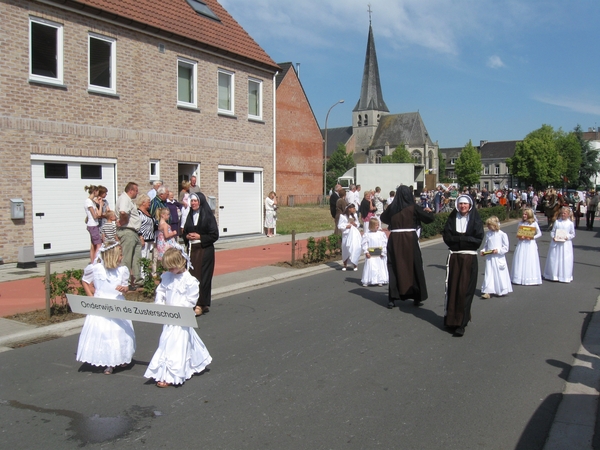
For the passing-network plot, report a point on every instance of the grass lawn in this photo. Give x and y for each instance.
(303, 219)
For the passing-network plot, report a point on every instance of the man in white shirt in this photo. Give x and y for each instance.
(128, 223)
(155, 185)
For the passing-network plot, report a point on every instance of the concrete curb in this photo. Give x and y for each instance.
(57, 330)
(575, 421)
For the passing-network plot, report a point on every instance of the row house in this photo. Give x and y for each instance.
(101, 92)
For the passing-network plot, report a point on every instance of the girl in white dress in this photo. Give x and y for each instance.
(495, 246)
(105, 341)
(181, 353)
(351, 239)
(559, 263)
(526, 260)
(375, 270)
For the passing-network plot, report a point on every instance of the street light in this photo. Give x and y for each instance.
(325, 152)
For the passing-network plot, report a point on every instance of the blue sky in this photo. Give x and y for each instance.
(475, 69)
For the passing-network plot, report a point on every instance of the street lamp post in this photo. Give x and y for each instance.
(325, 151)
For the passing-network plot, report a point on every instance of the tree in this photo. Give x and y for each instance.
(589, 161)
(569, 149)
(338, 164)
(399, 155)
(468, 166)
(537, 161)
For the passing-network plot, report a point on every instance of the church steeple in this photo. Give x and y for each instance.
(370, 107)
(371, 97)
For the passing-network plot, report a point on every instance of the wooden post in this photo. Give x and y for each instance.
(48, 312)
(293, 247)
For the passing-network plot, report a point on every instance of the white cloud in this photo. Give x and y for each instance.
(577, 105)
(494, 62)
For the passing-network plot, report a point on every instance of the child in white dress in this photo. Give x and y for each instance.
(526, 260)
(374, 245)
(351, 239)
(559, 263)
(105, 341)
(181, 353)
(495, 246)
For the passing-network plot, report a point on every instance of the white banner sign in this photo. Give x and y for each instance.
(141, 312)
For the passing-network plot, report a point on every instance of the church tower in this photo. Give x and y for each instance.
(370, 107)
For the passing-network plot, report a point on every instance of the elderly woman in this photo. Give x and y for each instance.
(405, 264)
(270, 216)
(146, 226)
(463, 234)
(200, 232)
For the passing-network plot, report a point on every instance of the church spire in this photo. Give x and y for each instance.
(371, 98)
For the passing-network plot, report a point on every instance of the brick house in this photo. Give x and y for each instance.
(299, 142)
(107, 92)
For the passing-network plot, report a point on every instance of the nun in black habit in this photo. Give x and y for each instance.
(463, 234)
(200, 232)
(404, 261)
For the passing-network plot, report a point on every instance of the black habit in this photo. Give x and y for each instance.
(202, 255)
(462, 268)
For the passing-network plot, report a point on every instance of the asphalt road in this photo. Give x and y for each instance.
(321, 363)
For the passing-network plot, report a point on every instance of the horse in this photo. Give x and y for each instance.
(551, 206)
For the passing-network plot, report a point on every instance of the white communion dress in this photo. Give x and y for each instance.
(497, 277)
(375, 270)
(105, 341)
(181, 353)
(351, 240)
(526, 260)
(559, 263)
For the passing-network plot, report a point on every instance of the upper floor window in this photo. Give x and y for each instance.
(497, 169)
(416, 156)
(102, 60)
(45, 51)
(154, 169)
(486, 169)
(507, 169)
(255, 99)
(187, 72)
(226, 92)
(453, 161)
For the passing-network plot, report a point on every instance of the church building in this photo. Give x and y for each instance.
(375, 132)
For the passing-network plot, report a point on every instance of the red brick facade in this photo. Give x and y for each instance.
(299, 145)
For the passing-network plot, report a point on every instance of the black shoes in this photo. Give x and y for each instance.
(460, 331)
(391, 305)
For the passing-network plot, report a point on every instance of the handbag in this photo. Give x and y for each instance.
(582, 210)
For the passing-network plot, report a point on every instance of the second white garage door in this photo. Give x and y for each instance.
(240, 201)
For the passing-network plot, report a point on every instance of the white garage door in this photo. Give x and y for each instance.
(240, 201)
(58, 196)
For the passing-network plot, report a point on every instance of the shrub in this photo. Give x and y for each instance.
(68, 282)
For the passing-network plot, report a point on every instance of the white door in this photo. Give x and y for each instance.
(58, 195)
(240, 201)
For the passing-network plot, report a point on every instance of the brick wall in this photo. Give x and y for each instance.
(299, 144)
(139, 124)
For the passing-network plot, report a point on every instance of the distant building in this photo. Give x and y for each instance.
(495, 173)
(376, 133)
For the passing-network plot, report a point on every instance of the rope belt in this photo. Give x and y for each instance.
(403, 230)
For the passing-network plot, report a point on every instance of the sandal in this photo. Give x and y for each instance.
(108, 370)
(198, 310)
(162, 384)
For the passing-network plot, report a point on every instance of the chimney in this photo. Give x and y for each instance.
(298, 70)
(482, 143)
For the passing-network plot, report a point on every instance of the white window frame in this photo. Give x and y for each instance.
(112, 89)
(260, 99)
(231, 92)
(486, 169)
(194, 66)
(58, 80)
(156, 164)
(453, 161)
(496, 169)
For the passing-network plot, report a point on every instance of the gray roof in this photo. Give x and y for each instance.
(336, 136)
(282, 73)
(497, 150)
(405, 128)
(371, 97)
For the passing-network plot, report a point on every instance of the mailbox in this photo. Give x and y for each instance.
(17, 208)
(212, 202)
